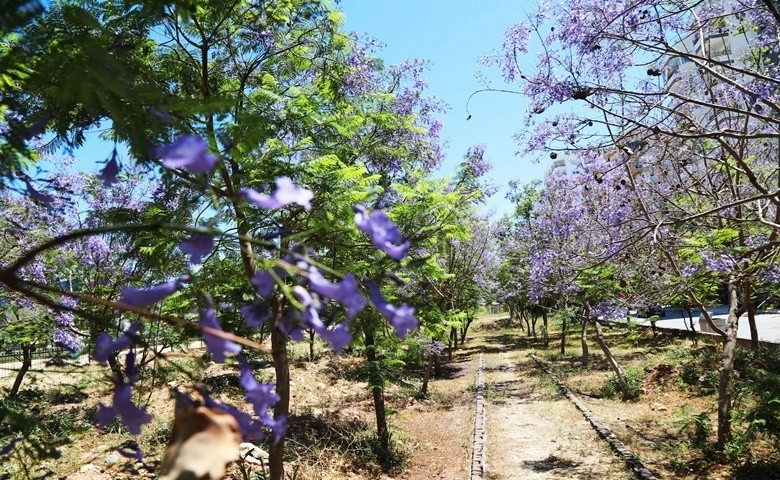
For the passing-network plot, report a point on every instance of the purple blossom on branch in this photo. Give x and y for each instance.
(105, 346)
(197, 246)
(344, 291)
(401, 318)
(64, 331)
(109, 173)
(384, 234)
(216, 345)
(137, 297)
(188, 152)
(286, 193)
(131, 416)
(256, 314)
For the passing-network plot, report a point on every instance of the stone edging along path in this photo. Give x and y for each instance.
(478, 453)
(619, 447)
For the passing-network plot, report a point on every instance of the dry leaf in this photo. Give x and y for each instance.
(205, 440)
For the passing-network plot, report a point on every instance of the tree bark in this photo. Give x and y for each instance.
(726, 373)
(546, 325)
(282, 370)
(27, 350)
(427, 375)
(584, 342)
(750, 307)
(377, 386)
(613, 363)
(563, 335)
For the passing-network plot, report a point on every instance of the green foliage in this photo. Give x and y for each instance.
(28, 417)
(634, 378)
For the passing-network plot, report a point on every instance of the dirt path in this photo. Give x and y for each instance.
(532, 431)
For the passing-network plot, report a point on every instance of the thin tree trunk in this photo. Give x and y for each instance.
(311, 345)
(694, 338)
(546, 325)
(427, 375)
(465, 328)
(26, 364)
(727, 370)
(612, 362)
(563, 335)
(584, 342)
(377, 386)
(282, 370)
(750, 306)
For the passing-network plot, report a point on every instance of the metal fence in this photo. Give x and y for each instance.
(42, 357)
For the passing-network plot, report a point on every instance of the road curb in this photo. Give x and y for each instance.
(619, 447)
(478, 452)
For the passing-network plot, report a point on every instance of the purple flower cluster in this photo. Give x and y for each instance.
(122, 406)
(384, 233)
(64, 333)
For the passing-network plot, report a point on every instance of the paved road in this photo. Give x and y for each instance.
(768, 323)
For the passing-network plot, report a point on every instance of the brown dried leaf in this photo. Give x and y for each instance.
(205, 440)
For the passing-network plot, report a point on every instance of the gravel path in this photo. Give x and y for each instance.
(532, 431)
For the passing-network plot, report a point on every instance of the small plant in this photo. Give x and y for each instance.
(634, 378)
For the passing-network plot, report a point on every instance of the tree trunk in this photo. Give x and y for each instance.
(377, 386)
(311, 345)
(546, 326)
(624, 390)
(465, 328)
(454, 340)
(584, 342)
(27, 350)
(750, 307)
(563, 335)
(427, 375)
(727, 369)
(282, 370)
(694, 338)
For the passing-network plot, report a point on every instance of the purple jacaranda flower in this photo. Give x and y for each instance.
(105, 346)
(197, 246)
(384, 234)
(256, 314)
(217, 346)
(286, 193)
(43, 198)
(131, 416)
(137, 297)
(402, 317)
(344, 291)
(338, 337)
(189, 152)
(264, 283)
(260, 395)
(109, 173)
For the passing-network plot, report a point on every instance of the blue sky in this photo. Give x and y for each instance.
(454, 35)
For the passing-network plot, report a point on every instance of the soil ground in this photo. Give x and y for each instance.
(532, 431)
